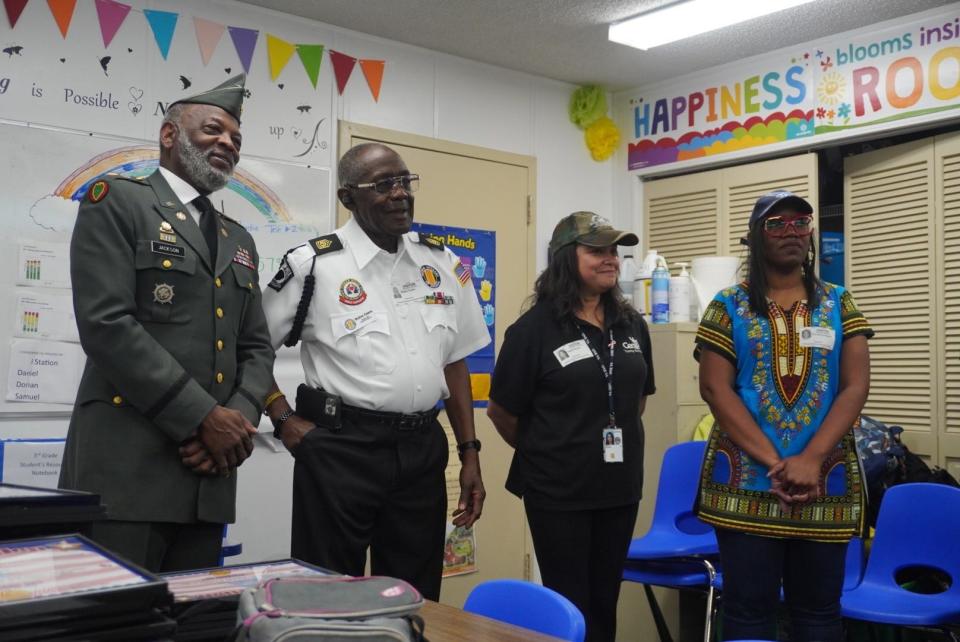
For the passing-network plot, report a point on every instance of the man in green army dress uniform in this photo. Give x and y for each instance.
(179, 360)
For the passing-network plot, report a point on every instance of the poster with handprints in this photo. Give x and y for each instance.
(477, 250)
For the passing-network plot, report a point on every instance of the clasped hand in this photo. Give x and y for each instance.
(795, 480)
(224, 440)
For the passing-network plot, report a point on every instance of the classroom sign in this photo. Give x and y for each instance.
(853, 80)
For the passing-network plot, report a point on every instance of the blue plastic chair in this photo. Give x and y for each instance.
(528, 605)
(854, 565)
(679, 550)
(918, 525)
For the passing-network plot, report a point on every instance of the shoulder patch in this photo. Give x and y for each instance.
(98, 191)
(325, 244)
(283, 275)
(430, 241)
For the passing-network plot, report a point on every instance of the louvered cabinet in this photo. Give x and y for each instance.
(902, 228)
(706, 214)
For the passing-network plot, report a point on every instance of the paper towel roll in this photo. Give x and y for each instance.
(710, 274)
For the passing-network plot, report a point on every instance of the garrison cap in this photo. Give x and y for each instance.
(587, 228)
(228, 96)
(776, 200)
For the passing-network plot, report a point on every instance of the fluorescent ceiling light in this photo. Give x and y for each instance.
(690, 18)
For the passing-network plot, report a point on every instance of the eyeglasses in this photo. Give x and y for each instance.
(778, 225)
(408, 182)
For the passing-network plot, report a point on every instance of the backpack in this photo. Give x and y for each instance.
(368, 609)
(886, 462)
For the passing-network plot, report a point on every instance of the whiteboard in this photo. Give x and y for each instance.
(44, 173)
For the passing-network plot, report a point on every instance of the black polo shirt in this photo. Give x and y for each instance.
(563, 410)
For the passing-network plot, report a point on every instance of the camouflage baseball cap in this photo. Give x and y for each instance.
(587, 228)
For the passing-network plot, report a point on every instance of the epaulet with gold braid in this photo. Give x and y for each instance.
(325, 244)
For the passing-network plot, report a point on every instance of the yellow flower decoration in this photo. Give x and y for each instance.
(602, 138)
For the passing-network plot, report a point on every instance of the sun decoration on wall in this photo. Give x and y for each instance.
(831, 89)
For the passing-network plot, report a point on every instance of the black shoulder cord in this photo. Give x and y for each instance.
(301, 316)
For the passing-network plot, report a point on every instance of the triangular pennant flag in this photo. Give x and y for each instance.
(14, 9)
(342, 68)
(208, 37)
(278, 53)
(111, 15)
(244, 41)
(311, 56)
(373, 72)
(163, 24)
(62, 11)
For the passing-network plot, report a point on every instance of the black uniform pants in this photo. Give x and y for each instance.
(374, 486)
(581, 554)
(162, 547)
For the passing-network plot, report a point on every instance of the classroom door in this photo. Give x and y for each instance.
(473, 187)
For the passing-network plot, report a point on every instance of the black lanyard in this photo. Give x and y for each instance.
(606, 370)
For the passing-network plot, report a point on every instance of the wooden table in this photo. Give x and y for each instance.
(450, 624)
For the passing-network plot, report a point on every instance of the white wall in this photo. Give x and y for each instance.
(426, 93)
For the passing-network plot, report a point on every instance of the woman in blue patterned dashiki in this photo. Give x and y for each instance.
(785, 368)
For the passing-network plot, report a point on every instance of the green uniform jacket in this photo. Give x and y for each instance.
(152, 314)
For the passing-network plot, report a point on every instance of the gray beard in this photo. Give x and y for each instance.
(199, 172)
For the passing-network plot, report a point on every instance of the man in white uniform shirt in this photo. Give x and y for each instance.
(387, 318)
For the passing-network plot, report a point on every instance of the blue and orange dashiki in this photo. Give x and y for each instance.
(788, 389)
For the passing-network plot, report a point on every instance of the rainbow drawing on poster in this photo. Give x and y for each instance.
(732, 136)
(142, 160)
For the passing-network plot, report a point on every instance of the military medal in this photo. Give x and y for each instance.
(163, 293)
(438, 298)
(352, 293)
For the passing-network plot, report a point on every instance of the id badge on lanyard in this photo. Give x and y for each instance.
(611, 436)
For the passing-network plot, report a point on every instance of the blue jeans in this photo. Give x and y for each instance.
(754, 568)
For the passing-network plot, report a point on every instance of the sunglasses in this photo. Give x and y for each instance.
(778, 225)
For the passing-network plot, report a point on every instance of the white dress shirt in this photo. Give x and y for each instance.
(370, 335)
(184, 191)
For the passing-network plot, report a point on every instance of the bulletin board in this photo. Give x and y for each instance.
(281, 204)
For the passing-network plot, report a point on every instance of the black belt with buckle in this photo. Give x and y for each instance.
(327, 410)
(398, 420)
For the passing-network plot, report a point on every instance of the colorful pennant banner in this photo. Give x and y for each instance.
(208, 37)
(311, 56)
(112, 14)
(279, 52)
(373, 72)
(244, 41)
(62, 11)
(163, 24)
(342, 68)
(14, 9)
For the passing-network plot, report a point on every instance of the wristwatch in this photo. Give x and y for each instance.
(286, 414)
(467, 445)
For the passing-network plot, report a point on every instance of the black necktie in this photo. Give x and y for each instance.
(208, 224)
